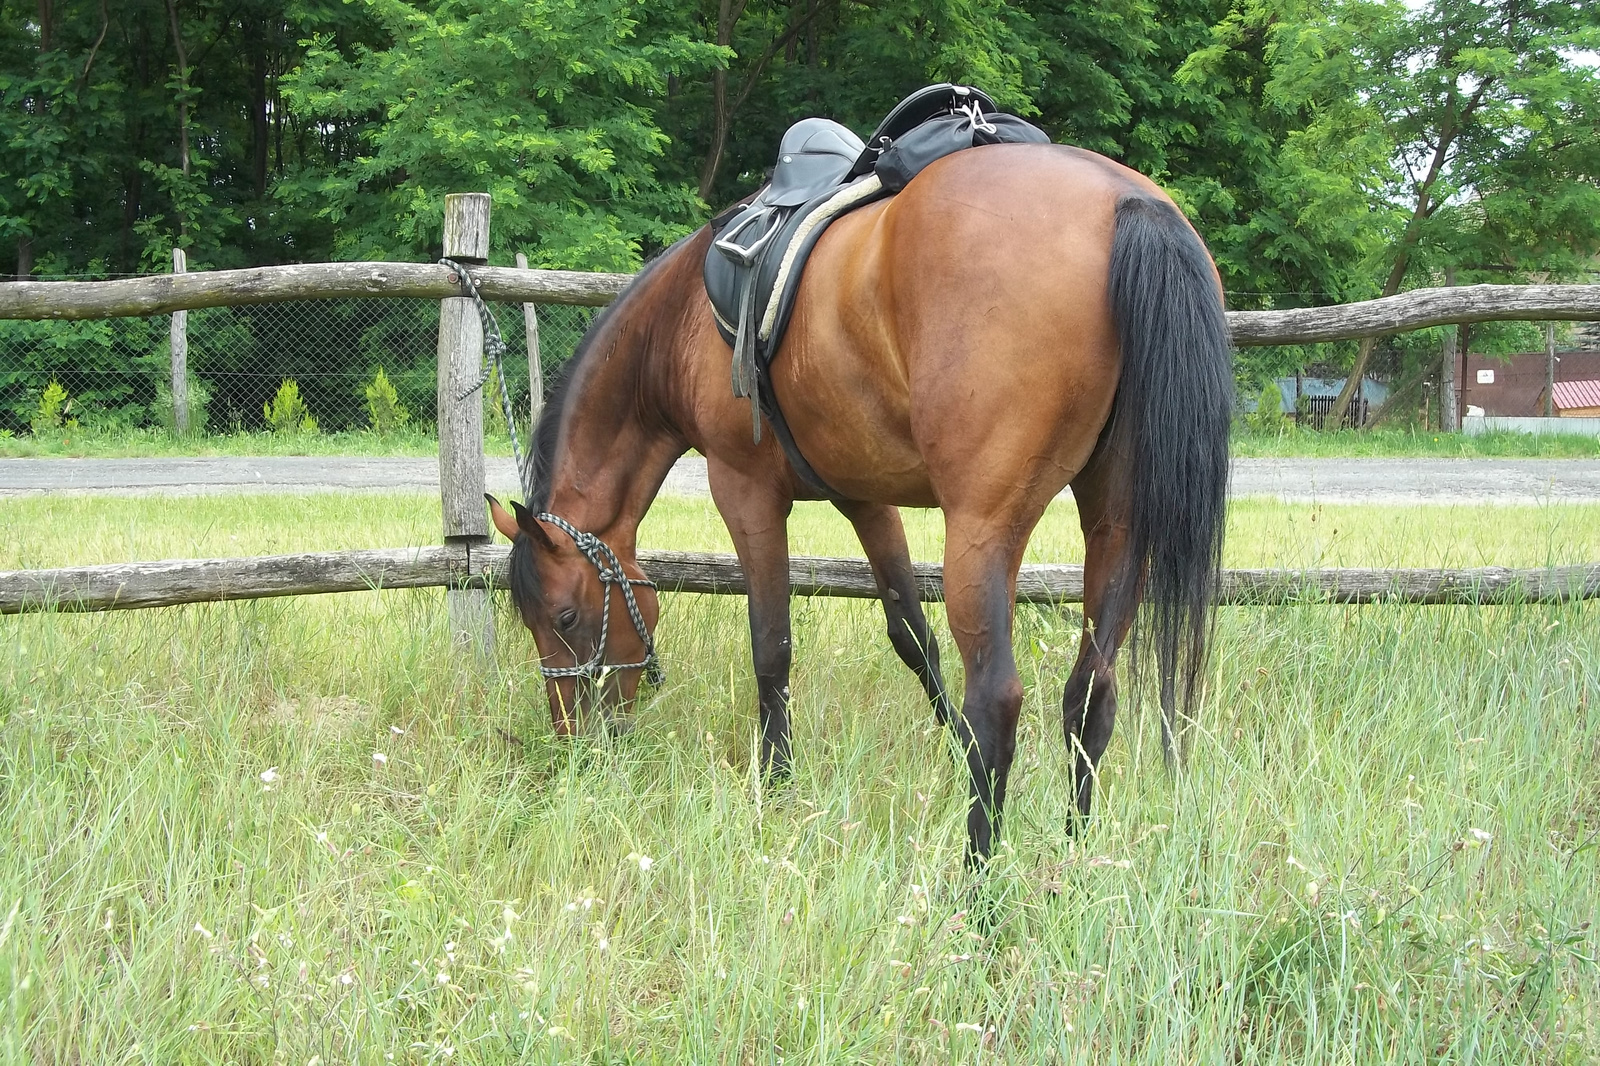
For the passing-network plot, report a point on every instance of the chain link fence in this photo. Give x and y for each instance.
(115, 374)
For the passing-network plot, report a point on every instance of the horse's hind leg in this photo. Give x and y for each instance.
(884, 540)
(1110, 600)
(981, 557)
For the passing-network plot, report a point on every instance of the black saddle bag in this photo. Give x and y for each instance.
(905, 158)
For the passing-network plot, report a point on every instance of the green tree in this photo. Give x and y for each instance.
(132, 126)
(548, 104)
(790, 59)
(1494, 128)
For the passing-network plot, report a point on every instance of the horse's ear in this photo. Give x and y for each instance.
(530, 525)
(502, 521)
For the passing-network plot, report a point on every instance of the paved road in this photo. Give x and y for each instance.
(1326, 480)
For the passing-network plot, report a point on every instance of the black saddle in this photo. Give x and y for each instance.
(759, 248)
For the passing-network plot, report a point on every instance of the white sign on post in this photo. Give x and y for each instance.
(1486, 377)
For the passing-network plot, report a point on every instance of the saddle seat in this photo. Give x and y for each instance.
(760, 246)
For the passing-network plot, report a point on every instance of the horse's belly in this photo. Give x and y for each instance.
(854, 432)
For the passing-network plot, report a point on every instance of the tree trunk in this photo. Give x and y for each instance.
(1408, 240)
(723, 110)
(130, 215)
(259, 133)
(726, 17)
(183, 109)
(46, 35)
(183, 88)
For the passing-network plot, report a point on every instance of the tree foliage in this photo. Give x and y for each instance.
(1326, 151)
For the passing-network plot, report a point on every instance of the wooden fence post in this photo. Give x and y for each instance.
(180, 355)
(461, 477)
(530, 322)
(1447, 380)
(1549, 369)
(1449, 390)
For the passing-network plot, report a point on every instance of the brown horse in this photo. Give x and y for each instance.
(1019, 319)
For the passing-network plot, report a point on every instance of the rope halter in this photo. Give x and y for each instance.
(605, 561)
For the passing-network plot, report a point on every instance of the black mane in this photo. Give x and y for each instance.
(547, 434)
(524, 575)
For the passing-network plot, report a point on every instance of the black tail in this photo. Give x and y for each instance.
(1173, 411)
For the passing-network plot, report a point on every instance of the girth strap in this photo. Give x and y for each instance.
(780, 429)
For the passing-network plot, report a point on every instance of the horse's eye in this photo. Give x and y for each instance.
(568, 618)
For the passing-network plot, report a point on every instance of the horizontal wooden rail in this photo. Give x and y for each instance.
(165, 293)
(1417, 309)
(179, 581)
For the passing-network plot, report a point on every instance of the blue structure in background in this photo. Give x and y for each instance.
(1373, 392)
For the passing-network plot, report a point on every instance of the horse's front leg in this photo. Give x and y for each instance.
(757, 517)
(883, 537)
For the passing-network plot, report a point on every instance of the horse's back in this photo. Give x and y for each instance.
(956, 341)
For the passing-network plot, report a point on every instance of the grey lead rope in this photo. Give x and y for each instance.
(494, 349)
(597, 551)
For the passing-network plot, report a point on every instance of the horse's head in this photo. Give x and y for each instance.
(591, 613)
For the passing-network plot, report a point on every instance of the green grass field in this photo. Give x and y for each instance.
(1378, 443)
(303, 829)
(1408, 442)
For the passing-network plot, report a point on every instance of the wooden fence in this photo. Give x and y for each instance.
(467, 565)
(126, 586)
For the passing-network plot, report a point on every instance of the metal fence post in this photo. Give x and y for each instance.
(180, 355)
(530, 321)
(461, 475)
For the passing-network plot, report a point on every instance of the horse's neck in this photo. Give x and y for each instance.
(616, 446)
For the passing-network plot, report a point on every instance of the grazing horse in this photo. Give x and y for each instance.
(1020, 318)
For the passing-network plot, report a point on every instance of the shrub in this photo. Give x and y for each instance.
(1268, 415)
(385, 412)
(53, 412)
(286, 413)
(199, 403)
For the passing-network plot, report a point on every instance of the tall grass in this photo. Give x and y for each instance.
(1384, 849)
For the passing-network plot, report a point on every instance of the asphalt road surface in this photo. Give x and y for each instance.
(1325, 480)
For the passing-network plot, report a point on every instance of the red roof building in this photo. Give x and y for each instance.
(1577, 399)
(1514, 385)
